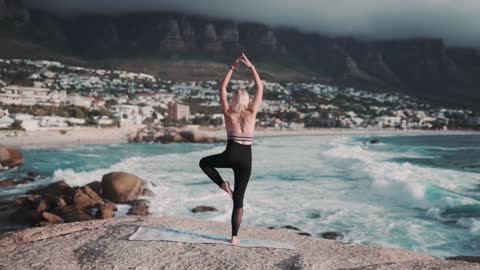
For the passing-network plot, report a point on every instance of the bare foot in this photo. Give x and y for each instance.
(234, 240)
(226, 188)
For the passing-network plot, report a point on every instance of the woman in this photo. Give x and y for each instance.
(240, 117)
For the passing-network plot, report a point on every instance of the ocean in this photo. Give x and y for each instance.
(418, 192)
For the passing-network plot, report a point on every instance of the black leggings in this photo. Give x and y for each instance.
(238, 157)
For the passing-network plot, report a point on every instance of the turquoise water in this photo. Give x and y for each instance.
(420, 193)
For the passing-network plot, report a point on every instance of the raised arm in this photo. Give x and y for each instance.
(223, 86)
(257, 98)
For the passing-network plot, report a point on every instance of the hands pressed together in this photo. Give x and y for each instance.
(242, 59)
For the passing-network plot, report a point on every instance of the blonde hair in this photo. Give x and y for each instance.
(240, 100)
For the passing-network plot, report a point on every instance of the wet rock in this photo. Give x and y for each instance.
(304, 233)
(106, 211)
(203, 208)
(471, 259)
(24, 215)
(60, 202)
(71, 213)
(374, 141)
(85, 197)
(50, 219)
(290, 227)
(96, 186)
(43, 205)
(9, 156)
(148, 192)
(121, 187)
(332, 235)
(9, 182)
(32, 174)
(25, 180)
(139, 207)
(53, 190)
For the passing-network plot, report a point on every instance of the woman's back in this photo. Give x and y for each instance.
(240, 125)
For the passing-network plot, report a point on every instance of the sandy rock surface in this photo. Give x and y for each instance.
(104, 244)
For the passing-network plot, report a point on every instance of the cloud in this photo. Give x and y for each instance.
(455, 21)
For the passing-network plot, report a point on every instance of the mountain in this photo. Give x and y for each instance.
(183, 47)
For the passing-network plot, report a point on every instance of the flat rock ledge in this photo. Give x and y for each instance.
(104, 244)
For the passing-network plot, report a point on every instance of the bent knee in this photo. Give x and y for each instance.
(202, 163)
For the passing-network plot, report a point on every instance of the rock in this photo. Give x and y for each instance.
(85, 197)
(25, 180)
(7, 182)
(304, 233)
(9, 156)
(290, 227)
(96, 186)
(60, 202)
(374, 141)
(100, 244)
(24, 215)
(42, 206)
(148, 192)
(332, 235)
(471, 259)
(106, 211)
(32, 174)
(121, 187)
(139, 207)
(203, 208)
(71, 213)
(53, 190)
(51, 218)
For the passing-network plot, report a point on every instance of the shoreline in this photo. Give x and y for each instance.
(47, 139)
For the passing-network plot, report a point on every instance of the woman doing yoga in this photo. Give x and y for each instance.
(240, 117)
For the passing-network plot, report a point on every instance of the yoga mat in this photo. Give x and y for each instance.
(146, 233)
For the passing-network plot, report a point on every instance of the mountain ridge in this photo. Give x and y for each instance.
(424, 67)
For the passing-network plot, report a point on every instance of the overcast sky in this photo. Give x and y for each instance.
(456, 21)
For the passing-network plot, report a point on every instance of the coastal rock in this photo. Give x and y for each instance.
(7, 182)
(24, 215)
(106, 211)
(472, 259)
(304, 233)
(96, 186)
(85, 197)
(53, 190)
(375, 141)
(121, 187)
(148, 192)
(332, 235)
(290, 227)
(139, 207)
(203, 208)
(72, 213)
(50, 219)
(9, 156)
(101, 244)
(43, 205)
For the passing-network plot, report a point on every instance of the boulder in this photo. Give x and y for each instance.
(121, 187)
(139, 207)
(106, 211)
(50, 218)
(290, 227)
(53, 190)
(332, 235)
(148, 192)
(9, 156)
(9, 182)
(43, 205)
(374, 141)
(71, 213)
(96, 186)
(85, 197)
(24, 215)
(304, 233)
(203, 208)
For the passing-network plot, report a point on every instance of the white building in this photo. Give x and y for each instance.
(78, 100)
(6, 121)
(22, 95)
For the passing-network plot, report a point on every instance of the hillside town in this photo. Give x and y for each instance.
(37, 95)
